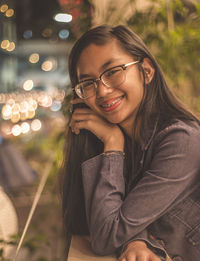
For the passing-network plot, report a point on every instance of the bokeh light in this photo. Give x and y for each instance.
(36, 125)
(11, 47)
(25, 127)
(34, 58)
(64, 18)
(31, 112)
(6, 129)
(6, 112)
(56, 106)
(15, 117)
(63, 34)
(49, 65)
(27, 34)
(5, 44)
(16, 130)
(47, 32)
(4, 8)
(28, 85)
(9, 13)
(45, 100)
(11, 102)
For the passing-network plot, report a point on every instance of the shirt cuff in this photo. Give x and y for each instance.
(151, 243)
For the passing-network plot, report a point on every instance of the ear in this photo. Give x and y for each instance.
(148, 70)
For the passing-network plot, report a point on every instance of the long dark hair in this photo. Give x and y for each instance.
(158, 103)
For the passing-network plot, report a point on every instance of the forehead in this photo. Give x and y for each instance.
(98, 57)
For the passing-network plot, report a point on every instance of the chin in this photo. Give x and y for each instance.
(114, 121)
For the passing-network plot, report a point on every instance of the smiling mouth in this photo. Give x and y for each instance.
(109, 106)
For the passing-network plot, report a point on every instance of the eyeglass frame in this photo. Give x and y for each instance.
(123, 66)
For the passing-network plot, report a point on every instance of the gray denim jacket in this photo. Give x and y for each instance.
(163, 208)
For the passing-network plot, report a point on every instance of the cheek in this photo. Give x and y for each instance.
(134, 90)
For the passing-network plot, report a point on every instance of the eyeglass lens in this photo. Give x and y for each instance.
(111, 78)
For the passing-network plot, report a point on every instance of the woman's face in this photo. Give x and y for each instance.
(117, 105)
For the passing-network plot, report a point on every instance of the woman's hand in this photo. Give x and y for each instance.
(138, 251)
(110, 134)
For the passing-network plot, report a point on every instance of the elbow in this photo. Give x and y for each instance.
(104, 238)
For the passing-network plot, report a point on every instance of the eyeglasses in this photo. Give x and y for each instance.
(111, 78)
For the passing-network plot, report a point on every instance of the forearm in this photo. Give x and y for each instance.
(113, 219)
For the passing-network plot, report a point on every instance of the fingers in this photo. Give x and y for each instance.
(138, 254)
(80, 120)
(131, 257)
(110, 134)
(82, 111)
(154, 258)
(78, 125)
(121, 258)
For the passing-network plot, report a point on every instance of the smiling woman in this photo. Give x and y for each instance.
(131, 142)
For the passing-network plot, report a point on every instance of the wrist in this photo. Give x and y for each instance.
(113, 152)
(114, 148)
(114, 144)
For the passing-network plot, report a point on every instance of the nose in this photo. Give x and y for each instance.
(102, 89)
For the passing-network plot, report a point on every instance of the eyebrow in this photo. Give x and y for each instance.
(102, 68)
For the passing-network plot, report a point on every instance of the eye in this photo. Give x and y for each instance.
(113, 72)
(87, 84)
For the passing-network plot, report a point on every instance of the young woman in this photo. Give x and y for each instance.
(132, 164)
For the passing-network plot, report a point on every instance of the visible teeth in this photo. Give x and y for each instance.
(112, 103)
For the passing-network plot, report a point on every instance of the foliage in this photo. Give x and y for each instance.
(35, 246)
(172, 33)
(170, 28)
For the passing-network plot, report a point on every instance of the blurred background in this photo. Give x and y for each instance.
(35, 40)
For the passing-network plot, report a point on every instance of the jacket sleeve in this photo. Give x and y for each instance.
(113, 219)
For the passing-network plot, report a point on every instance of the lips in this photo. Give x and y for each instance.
(111, 104)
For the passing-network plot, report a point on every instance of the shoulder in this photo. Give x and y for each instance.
(175, 148)
(190, 129)
(178, 137)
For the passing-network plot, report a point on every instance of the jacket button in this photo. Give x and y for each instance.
(177, 258)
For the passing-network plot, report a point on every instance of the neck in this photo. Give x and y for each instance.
(128, 128)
